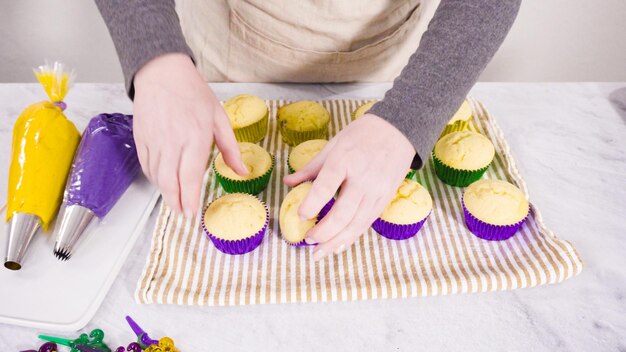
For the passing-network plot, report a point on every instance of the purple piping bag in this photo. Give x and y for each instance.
(104, 166)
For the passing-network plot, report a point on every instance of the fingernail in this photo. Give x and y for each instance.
(309, 240)
(318, 254)
(340, 249)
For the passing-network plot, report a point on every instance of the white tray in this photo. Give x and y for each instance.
(53, 295)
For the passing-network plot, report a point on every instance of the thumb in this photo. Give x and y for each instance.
(227, 144)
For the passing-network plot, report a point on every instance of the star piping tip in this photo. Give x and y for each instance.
(62, 254)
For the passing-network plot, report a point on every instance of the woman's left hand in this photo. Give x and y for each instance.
(368, 159)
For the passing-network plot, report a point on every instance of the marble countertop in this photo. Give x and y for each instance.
(570, 142)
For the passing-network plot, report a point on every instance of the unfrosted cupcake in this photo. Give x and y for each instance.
(260, 164)
(248, 117)
(292, 229)
(303, 153)
(405, 215)
(236, 223)
(494, 209)
(303, 121)
(461, 119)
(362, 109)
(461, 158)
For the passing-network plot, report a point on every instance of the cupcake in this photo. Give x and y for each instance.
(236, 223)
(248, 117)
(461, 119)
(461, 158)
(494, 209)
(303, 121)
(258, 161)
(362, 109)
(303, 153)
(292, 229)
(406, 213)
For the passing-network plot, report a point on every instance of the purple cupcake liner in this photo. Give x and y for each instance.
(397, 232)
(325, 209)
(487, 231)
(238, 246)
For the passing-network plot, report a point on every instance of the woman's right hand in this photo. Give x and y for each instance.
(176, 118)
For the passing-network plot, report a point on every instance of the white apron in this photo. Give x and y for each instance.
(303, 40)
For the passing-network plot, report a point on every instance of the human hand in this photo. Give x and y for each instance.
(368, 159)
(176, 118)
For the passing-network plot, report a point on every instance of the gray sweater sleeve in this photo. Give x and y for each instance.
(460, 40)
(142, 30)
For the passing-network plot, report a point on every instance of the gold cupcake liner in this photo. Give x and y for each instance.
(293, 138)
(253, 133)
(456, 126)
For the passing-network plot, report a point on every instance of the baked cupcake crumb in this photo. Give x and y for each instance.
(496, 202)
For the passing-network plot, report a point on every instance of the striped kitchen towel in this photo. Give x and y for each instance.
(183, 267)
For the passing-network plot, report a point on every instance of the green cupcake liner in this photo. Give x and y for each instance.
(253, 133)
(460, 125)
(410, 174)
(293, 138)
(457, 177)
(253, 186)
(289, 168)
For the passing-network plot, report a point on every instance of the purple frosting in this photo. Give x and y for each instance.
(105, 164)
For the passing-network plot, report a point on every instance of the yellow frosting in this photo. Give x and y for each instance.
(303, 116)
(235, 216)
(257, 160)
(361, 110)
(411, 204)
(496, 202)
(463, 114)
(304, 152)
(44, 142)
(465, 150)
(244, 110)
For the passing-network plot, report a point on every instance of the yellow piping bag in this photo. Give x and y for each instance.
(44, 142)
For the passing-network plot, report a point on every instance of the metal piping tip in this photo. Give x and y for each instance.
(21, 230)
(61, 254)
(75, 220)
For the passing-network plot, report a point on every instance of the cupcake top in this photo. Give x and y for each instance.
(304, 152)
(244, 110)
(361, 110)
(411, 204)
(303, 116)
(496, 202)
(465, 150)
(463, 114)
(257, 160)
(292, 228)
(235, 216)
